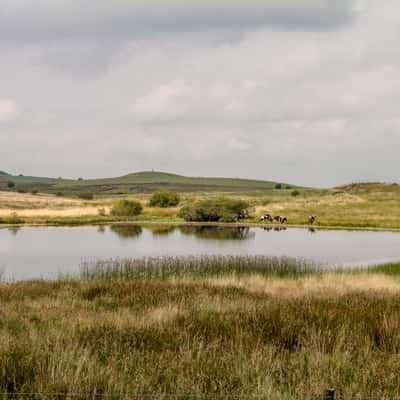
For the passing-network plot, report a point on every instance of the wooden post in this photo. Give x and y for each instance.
(329, 394)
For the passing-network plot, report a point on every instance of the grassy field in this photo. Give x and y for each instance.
(354, 206)
(140, 182)
(216, 327)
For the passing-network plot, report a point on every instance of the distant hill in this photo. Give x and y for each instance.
(146, 181)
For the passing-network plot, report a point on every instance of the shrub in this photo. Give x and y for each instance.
(295, 193)
(10, 184)
(86, 196)
(164, 198)
(278, 186)
(216, 210)
(34, 191)
(59, 194)
(127, 208)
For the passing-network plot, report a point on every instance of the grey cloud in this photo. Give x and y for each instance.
(310, 106)
(53, 20)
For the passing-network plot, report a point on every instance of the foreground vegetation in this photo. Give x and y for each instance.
(219, 327)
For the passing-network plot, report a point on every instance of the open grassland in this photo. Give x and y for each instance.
(139, 182)
(234, 330)
(354, 206)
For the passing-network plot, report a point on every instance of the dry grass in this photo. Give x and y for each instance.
(364, 206)
(235, 336)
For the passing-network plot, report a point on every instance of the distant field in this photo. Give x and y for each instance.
(141, 182)
(370, 205)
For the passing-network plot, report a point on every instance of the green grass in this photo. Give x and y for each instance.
(198, 332)
(140, 182)
(392, 269)
(197, 267)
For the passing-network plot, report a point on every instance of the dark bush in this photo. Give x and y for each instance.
(21, 191)
(35, 191)
(164, 198)
(59, 194)
(216, 210)
(295, 193)
(10, 184)
(86, 196)
(278, 186)
(127, 208)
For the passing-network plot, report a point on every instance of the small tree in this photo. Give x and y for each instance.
(127, 208)
(10, 184)
(278, 186)
(164, 198)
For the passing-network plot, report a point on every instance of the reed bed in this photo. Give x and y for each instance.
(198, 267)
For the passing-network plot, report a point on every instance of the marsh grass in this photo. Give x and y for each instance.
(197, 267)
(237, 335)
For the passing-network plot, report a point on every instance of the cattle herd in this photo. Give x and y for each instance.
(282, 219)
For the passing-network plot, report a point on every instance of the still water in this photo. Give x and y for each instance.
(27, 253)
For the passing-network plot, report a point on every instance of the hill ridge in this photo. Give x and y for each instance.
(141, 182)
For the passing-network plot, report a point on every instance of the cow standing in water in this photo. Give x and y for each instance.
(312, 219)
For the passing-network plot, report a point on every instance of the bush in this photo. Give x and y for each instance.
(59, 194)
(278, 186)
(10, 184)
(102, 212)
(295, 193)
(86, 196)
(127, 208)
(35, 191)
(164, 198)
(216, 210)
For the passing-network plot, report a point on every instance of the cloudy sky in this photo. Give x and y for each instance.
(303, 91)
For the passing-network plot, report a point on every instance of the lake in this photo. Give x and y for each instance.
(47, 252)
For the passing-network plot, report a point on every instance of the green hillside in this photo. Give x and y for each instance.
(143, 182)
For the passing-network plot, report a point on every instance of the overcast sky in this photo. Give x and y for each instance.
(304, 91)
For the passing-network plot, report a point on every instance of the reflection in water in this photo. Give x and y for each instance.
(14, 230)
(275, 228)
(312, 230)
(160, 230)
(127, 231)
(218, 232)
(101, 229)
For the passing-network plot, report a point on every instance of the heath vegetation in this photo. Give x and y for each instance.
(208, 327)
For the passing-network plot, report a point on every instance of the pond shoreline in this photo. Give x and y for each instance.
(216, 224)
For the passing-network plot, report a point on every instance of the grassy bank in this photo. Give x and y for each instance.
(368, 206)
(217, 327)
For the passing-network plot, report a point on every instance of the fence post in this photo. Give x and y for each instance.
(329, 394)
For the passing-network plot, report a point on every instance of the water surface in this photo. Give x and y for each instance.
(46, 252)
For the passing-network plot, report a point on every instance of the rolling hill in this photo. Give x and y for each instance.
(146, 181)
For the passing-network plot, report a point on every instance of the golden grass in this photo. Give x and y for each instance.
(325, 285)
(234, 336)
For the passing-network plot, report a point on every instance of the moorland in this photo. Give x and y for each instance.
(214, 327)
(33, 200)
